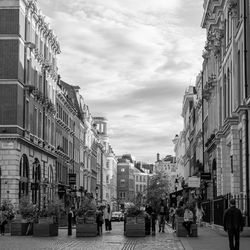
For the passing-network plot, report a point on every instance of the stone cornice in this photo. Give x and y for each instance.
(225, 129)
(210, 16)
(32, 7)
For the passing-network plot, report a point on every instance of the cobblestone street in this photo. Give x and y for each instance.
(114, 240)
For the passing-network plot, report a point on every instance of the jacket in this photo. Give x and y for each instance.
(188, 215)
(233, 219)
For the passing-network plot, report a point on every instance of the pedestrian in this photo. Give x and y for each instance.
(233, 225)
(162, 213)
(172, 216)
(199, 213)
(188, 220)
(70, 221)
(99, 220)
(107, 217)
(3, 220)
(179, 210)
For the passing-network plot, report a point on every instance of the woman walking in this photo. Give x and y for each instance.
(107, 217)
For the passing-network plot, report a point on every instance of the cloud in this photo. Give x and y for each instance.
(133, 60)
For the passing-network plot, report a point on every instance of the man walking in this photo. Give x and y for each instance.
(233, 225)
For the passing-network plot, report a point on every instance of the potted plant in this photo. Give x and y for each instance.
(23, 223)
(47, 221)
(86, 218)
(134, 223)
(9, 213)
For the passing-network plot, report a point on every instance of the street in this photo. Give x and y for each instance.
(114, 240)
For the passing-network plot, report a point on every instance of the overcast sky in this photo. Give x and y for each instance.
(133, 60)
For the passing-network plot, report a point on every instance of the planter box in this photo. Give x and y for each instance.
(86, 230)
(134, 226)
(45, 229)
(21, 228)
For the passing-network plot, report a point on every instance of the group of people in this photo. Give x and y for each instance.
(103, 216)
(165, 214)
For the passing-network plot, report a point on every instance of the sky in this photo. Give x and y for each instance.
(133, 60)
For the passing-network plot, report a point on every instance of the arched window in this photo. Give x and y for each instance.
(24, 176)
(36, 176)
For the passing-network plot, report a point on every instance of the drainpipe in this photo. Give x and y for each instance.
(202, 117)
(246, 112)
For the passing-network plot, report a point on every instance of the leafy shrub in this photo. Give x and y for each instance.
(134, 210)
(27, 209)
(8, 209)
(88, 208)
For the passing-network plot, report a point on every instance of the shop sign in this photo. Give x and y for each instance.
(72, 179)
(61, 189)
(206, 176)
(8, 145)
(194, 181)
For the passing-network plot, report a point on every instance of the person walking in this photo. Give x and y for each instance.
(233, 225)
(99, 220)
(163, 211)
(172, 216)
(199, 213)
(107, 218)
(188, 220)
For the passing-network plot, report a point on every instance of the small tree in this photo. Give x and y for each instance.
(27, 209)
(159, 184)
(9, 209)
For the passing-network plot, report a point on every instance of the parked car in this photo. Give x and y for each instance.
(117, 216)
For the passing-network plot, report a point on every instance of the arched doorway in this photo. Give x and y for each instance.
(36, 179)
(214, 174)
(24, 176)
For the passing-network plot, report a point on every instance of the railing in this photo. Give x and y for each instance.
(214, 209)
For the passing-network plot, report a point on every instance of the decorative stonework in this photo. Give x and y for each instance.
(209, 86)
(232, 8)
(43, 26)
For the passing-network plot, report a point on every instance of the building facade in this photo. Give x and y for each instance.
(217, 126)
(28, 79)
(125, 180)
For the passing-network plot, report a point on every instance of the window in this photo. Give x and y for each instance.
(35, 121)
(122, 182)
(24, 176)
(27, 115)
(40, 124)
(28, 72)
(107, 179)
(35, 78)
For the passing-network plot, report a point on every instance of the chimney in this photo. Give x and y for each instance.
(158, 157)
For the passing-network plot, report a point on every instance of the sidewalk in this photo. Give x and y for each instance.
(209, 239)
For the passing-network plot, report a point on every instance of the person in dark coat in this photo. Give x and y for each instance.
(233, 225)
(162, 213)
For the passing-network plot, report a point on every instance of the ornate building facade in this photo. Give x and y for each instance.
(28, 79)
(222, 107)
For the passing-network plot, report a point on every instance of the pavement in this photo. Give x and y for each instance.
(208, 239)
(213, 239)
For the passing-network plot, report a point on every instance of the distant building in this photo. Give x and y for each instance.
(125, 179)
